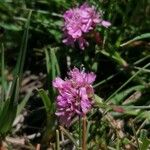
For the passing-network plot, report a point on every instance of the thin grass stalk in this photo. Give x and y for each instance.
(57, 140)
(130, 79)
(141, 60)
(69, 136)
(106, 80)
(114, 75)
(23, 48)
(118, 144)
(62, 139)
(2, 73)
(135, 135)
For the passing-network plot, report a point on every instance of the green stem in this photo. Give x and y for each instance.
(84, 131)
(80, 132)
(3, 74)
(57, 140)
(135, 135)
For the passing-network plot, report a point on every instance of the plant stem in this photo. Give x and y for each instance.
(1, 144)
(84, 146)
(57, 140)
(80, 132)
(38, 147)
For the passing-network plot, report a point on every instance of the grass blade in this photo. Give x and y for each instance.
(69, 136)
(23, 102)
(53, 69)
(143, 36)
(57, 140)
(2, 73)
(129, 80)
(46, 100)
(9, 111)
(23, 49)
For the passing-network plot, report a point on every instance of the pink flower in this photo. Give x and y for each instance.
(75, 95)
(79, 21)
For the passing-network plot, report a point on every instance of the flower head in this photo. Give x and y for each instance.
(75, 95)
(79, 21)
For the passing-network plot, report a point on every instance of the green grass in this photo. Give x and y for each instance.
(31, 41)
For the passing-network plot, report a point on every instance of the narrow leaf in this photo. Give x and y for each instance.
(69, 136)
(23, 102)
(2, 73)
(46, 100)
(23, 49)
(143, 36)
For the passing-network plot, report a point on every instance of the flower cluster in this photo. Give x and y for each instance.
(79, 21)
(75, 95)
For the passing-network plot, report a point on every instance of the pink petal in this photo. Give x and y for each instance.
(106, 23)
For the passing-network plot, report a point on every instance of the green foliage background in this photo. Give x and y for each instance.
(121, 62)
